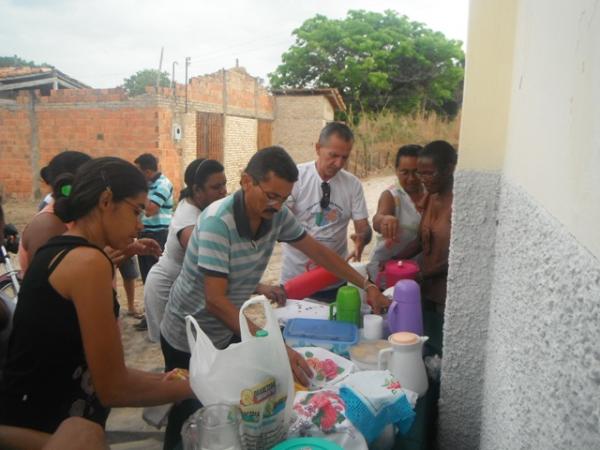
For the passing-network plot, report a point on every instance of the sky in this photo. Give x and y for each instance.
(104, 41)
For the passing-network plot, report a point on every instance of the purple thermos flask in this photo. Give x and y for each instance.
(405, 312)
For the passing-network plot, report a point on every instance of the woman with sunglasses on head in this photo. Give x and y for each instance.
(205, 182)
(65, 356)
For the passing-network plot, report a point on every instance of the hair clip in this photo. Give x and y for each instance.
(66, 190)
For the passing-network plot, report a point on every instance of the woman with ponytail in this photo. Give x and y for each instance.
(65, 356)
(45, 224)
(205, 182)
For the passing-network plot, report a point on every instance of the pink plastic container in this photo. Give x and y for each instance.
(395, 271)
(309, 282)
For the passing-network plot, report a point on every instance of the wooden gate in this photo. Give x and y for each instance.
(209, 135)
(264, 134)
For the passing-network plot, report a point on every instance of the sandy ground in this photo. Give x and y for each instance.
(126, 424)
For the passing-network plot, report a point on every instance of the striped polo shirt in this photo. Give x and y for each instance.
(160, 191)
(222, 245)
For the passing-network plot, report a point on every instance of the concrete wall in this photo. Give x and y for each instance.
(521, 361)
(240, 145)
(299, 119)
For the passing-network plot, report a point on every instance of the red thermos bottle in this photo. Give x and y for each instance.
(309, 282)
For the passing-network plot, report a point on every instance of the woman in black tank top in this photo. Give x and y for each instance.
(65, 356)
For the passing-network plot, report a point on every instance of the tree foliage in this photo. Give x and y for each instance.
(136, 83)
(377, 61)
(16, 61)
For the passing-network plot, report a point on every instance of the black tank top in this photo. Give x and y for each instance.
(46, 378)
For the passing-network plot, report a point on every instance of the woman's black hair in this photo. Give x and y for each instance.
(197, 174)
(44, 175)
(407, 150)
(65, 162)
(79, 194)
(441, 153)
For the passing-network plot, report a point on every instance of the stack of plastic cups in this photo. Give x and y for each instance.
(365, 308)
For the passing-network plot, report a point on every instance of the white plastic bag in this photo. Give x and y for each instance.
(254, 374)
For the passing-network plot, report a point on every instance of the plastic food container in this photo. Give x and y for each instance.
(332, 335)
(307, 443)
(365, 354)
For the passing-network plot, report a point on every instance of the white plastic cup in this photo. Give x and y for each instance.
(372, 327)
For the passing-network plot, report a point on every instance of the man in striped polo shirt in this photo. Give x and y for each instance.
(159, 209)
(225, 259)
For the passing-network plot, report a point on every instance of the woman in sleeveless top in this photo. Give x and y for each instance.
(398, 211)
(45, 224)
(205, 182)
(65, 356)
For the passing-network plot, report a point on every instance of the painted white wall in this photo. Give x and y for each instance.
(553, 143)
(521, 367)
(488, 84)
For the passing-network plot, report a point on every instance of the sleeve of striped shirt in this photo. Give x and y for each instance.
(213, 246)
(161, 194)
(291, 229)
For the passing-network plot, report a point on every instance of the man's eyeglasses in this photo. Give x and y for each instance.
(139, 212)
(326, 197)
(272, 197)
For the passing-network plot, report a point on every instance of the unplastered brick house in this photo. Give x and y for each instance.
(227, 115)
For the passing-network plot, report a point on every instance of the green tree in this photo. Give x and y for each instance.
(377, 61)
(16, 61)
(136, 83)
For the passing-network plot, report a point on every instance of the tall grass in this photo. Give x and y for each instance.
(379, 135)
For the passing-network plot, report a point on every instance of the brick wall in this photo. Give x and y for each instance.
(240, 145)
(16, 174)
(106, 122)
(188, 141)
(299, 119)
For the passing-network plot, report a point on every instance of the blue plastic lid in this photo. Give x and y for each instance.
(307, 443)
(326, 330)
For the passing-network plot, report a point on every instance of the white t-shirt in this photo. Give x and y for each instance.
(163, 274)
(185, 215)
(329, 226)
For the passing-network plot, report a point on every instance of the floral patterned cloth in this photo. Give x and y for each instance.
(374, 399)
(328, 368)
(323, 414)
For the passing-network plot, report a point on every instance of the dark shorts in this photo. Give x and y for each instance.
(129, 269)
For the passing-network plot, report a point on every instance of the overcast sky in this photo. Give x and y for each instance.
(101, 42)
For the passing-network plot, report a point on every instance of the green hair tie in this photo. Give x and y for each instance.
(66, 190)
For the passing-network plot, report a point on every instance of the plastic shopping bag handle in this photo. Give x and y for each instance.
(271, 325)
(200, 335)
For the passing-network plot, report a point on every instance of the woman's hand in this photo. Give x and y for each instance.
(116, 256)
(144, 247)
(389, 228)
(302, 372)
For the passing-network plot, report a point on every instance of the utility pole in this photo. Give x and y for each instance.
(173, 84)
(159, 68)
(187, 64)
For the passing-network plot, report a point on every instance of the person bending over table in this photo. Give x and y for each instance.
(227, 256)
(65, 355)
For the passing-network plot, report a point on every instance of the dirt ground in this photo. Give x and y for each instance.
(126, 424)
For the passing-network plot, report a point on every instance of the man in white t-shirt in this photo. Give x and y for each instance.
(325, 198)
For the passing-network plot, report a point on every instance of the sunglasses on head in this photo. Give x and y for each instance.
(326, 188)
